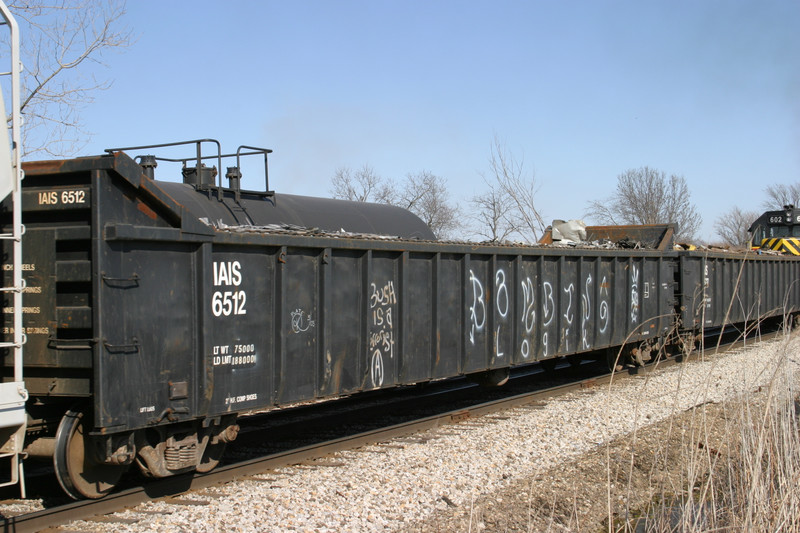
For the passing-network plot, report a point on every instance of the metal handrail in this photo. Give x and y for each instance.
(199, 157)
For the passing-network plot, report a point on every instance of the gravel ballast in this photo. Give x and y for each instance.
(425, 481)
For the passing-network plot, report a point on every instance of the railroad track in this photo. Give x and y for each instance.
(170, 488)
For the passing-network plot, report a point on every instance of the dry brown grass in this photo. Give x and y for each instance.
(747, 480)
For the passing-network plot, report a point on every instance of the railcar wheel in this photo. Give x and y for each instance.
(79, 472)
(211, 457)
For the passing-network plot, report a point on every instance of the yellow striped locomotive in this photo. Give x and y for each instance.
(778, 231)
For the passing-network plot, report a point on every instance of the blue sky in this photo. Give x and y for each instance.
(580, 90)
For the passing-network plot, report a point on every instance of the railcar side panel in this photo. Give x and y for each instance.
(527, 309)
(588, 294)
(658, 297)
(502, 324)
(40, 298)
(449, 342)
(620, 303)
(384, 323)
(720, 289)
(603, 283)
(144, 365)
(418, 309)
(297, 306)
(237, 311)
(344, 360)
(550, 292)
(57, 300)
(568, 295)
(478, 284)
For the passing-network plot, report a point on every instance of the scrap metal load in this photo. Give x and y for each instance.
(575, 232)
(157, 312)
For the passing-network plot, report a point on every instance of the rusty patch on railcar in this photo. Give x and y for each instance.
(42, 167)
(141, 206)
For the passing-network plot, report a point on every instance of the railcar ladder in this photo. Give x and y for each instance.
(13, 417)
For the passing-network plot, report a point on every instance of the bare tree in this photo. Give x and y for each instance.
(516, 191)
(491, 213)
(363, 185)
(732, 226)
(59, 37)
(423, 193)
(647, 196)
(426, 195)
(780, 195)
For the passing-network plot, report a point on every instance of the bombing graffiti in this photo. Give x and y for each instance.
(604, 312)
(586, 313)
(383, 307)
(502, 303)
(301, 321)
(502, 293)
(528, 316)
(569, 314)
(574, 314)
(634, 294)
(548, 313)
(477, 311)
(376, 369)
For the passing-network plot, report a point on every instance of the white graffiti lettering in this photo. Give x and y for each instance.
(497, 343)
(477, 311)
(586, 312)
(383, 296)
(382, 304)
(502, 303)
(502, 293)
(528, 315)
(548, 305)
(525, 349)
(376, 369)
(569, 314)
(301, 321)
(544, 344)
(634, 294)
(528, 309)
(548, 313)
(604, 315)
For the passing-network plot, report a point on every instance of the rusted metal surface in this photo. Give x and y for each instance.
(655, 236)
(651, 236)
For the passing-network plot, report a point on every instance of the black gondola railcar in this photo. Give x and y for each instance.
(158, 312)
